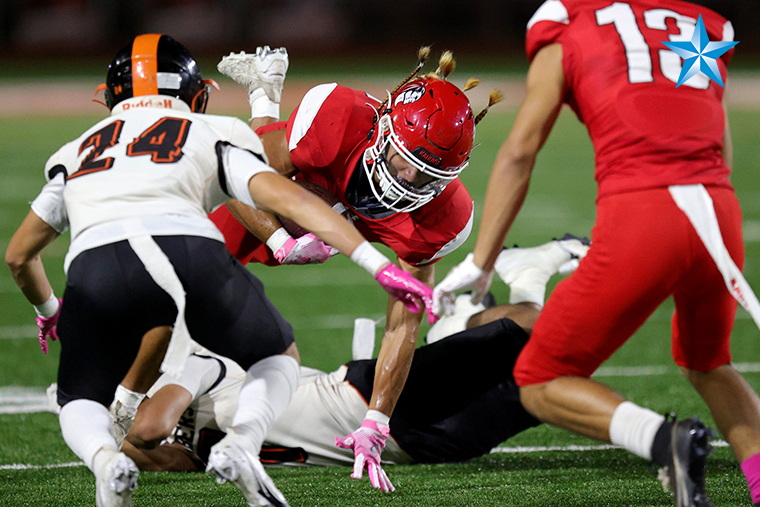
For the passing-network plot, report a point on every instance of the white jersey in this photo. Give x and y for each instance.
(324, 406)
(151, 167)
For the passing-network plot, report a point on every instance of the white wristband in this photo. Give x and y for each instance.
(368, 257)
(378, 417)
(262, 106)
(48, 308)
(278, 239)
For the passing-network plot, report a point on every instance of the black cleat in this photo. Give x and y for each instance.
(584, 240)
(684, 474)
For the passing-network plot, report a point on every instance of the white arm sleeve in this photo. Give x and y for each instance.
(49, 204)
(236, 168)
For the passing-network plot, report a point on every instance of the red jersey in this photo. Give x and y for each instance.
(327, 135)
(621, 82)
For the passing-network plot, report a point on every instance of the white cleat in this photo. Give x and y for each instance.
(230, 460)
(557, 256)
(116, 480)
(448, 325)
(122, 418)
(52, 398)
(265, 69)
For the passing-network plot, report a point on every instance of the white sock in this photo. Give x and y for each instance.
(266, 393)
(634, 428)
(86, 428)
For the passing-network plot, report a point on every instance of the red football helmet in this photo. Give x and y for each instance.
(430, 123)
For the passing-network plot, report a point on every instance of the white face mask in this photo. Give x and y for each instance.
(392, 191)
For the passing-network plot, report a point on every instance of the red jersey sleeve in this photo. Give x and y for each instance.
(546, 26)
(317, 126)
(435, 230)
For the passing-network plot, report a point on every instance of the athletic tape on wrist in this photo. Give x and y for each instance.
(368, 257)
(378, 417)
(278, 239)
(48, 308)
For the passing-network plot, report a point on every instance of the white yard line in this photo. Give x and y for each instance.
(497, 450)
(20, 466)
(574, 448)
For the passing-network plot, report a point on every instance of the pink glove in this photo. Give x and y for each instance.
(407, 289)
(47, 328)
(367, 443)
(308, 249)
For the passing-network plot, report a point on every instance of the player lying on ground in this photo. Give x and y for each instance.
(459, 401)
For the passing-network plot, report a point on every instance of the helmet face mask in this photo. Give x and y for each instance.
(430, 124)
(392, 191)
(154, 64)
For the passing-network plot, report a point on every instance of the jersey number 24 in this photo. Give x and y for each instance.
(163, 141)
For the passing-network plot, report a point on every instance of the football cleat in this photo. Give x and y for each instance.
(557, 256)
(684, 474)
(265, 69)
(231, 461)
(448, 325)
(115, 481)
(52, 398)
(122, 418)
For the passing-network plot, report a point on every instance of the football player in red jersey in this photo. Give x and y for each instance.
(393, 164)
(668, 223)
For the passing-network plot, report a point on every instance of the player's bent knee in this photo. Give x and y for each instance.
(533, 399)
(147, 434)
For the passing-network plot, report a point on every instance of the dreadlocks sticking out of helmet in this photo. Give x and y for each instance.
(394, 167)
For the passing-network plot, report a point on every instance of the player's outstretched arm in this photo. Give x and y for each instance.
(510, 175)
(274, 193)
(511, 172)
(398, 345)
(391, 371)
(23, 259)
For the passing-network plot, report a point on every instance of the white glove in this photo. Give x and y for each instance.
(465, 275)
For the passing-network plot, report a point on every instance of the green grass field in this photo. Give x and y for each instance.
(322, 302)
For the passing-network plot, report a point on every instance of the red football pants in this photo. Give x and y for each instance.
(644, 249)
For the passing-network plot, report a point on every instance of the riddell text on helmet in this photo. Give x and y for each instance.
(166, 103)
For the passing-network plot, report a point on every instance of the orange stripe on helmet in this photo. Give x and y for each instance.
(145, 64)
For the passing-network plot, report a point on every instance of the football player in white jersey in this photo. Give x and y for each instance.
(135, 189)
(441, 417)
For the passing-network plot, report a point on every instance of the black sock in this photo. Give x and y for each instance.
(661, 447)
